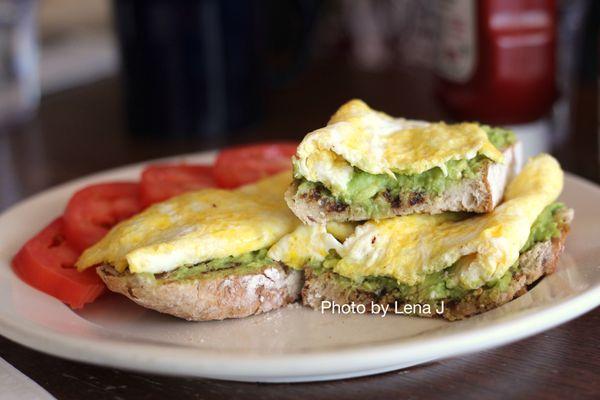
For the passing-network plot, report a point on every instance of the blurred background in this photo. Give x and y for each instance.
(89, 85)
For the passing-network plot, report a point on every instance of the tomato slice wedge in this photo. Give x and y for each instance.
(95, 209)
(163, 181)
(47, 261)
(246, 164)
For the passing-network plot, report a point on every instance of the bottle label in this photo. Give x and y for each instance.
(457, 50)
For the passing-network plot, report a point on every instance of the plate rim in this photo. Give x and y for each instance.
(186, 361)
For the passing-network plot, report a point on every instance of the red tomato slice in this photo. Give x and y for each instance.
(246, 164)
(95, 209)
(46, 262)
(163, 181)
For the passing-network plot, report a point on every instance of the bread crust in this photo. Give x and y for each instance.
(471, 195)
(210, 298)
(535, 263)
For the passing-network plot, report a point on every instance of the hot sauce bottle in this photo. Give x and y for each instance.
(496, 59)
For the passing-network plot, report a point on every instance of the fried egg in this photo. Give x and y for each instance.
(196, 227)
(408, 248)
(357, 136)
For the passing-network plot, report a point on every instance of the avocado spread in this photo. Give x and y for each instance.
(364, 188)
(500, 137)
(441, 285)
(240, 265)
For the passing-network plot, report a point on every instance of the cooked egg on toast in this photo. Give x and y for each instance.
(365, 164)
(202, 255)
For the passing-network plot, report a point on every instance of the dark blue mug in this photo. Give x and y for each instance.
(201, 67)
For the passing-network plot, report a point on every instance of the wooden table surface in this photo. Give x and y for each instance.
(83, 131)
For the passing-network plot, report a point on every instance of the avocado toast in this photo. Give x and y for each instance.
(367, 165)
(202, 255)
(537, 259)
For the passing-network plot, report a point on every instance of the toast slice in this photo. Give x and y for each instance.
(480, 194)
(215, 295)
(538, 261)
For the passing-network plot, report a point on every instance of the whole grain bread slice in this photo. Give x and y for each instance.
(212, 297)
(535, 263)
(479, 195)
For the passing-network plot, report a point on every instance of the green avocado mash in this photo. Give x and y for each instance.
(243, 264)
(364, 188)
(441, 285)
(500, 137)
(545, 226)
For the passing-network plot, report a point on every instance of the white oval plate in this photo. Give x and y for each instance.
(287, 345)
